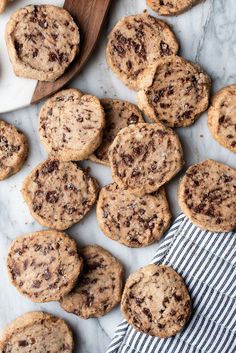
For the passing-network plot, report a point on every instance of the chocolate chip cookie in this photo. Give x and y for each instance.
(37, 332)
(207, 195)
(134, 45)
(44, 266)
(130, 220)
(59, 194)
(144, 157)
(71, 125)
(42, 41)
(99, 288)
(3, 4)
(171, 7)
(178, 94)
(13, 150)
(156, 301)
(222, 117)
(118, 114)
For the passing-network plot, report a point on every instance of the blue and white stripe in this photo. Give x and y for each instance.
(207, 262)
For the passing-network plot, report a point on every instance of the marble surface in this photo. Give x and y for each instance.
(207, 36)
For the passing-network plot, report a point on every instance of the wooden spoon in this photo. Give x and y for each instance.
(89, 16)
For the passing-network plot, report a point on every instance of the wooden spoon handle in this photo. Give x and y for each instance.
(90, 16)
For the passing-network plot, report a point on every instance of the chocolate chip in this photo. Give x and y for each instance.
(18, 46)
(52, 197)
(128, 159)
(165, 49)
(47, 274)
(178, 298)
(43, 24)
(221, 120)
(36, 284)
(133, 119)
(50, 167)
(23, 343)
(52, 57)
(147, 312)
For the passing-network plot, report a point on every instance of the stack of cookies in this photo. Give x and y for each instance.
(133, 210)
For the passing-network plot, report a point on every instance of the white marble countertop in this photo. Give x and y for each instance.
(207, 35)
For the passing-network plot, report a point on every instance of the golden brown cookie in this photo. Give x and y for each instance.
(44, 266)
(99, 288)
(42, 41)
(171, 7)
(156, 301)
(178, 93)
(59, 194)
(131, 220)
(71, 125)
(3, 4)
(144, 157)
(207, 195)
(118, 114)
(222, 117)
(13, 150)
(134, 45)
(37, 332)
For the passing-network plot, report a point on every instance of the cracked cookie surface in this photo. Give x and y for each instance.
(144, 157)
(156, 301)
(13, 150)
(37, 332)
(99, 287)
(171, 7)
(178, 94)
(222, 117)
(207, 195)
(44, 266)
(134, 45)
(42, 41)
(130, 220)
(118, 114)
(71, 125)
(59, 194)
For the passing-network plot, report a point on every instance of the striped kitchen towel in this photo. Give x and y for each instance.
(206, 261)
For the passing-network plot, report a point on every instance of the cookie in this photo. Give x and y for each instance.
(130, 220)
(3, 4)
(178, 94)
(171, 7)
(144, 157)
(118, 114)
(134, 45)
(156, 301)
(71, 125)
(42, 41)
(99, 288)
(222, 117)
(59, 194)
(13, 150)
(44, 266)
(37, 332)
(207, 195)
